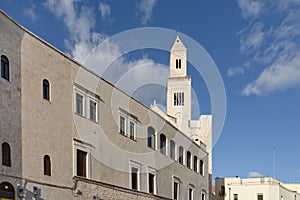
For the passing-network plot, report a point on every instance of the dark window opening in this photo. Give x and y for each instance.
(163, 144)
(6, 157)
(79, 104)
(151, 137)
(134, 178)
(195, 163)
(132, 128)
(202, 167)
(172, 149)
(188, 159)
(81, 163)
(178, 63)
(4, 68)
(47, 165)
(175, 190)
(179, 99)
(93, 111)
(46, 90)
(180, 156)
(151, 183)
(122, 125)
(190, 194)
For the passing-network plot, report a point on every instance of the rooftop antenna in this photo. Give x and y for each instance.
(274, 161)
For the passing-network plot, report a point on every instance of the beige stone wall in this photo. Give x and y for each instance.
(10, 98)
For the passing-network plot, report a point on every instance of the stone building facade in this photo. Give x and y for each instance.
(67, 133)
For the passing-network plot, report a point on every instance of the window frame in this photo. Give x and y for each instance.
(181, 155)
(151, 135)
(46, 89)
(5, 68)
(79, 93)
(6, 154)
(133, 164)
(47, 165)
(190, 188)
(178, 63)
(195, 163)
(172, 148)
(78, 145)
(163, 149)
(188, 159)
(153, 172)
(177, 181)
(201, 167)
(95, 117)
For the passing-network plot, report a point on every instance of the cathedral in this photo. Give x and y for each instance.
(67, 133)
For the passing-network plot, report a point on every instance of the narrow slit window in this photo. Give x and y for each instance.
(172, 150)
(151, 137)
(46, 90)
(163, 144)
(4, 68)
(47, 165)
(180, 155)
(79, 104)
(6, 155)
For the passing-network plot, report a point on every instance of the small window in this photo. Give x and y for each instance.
(235, 197)
(151, 183)
(180, 155)
(151, 137)
(134, 178)
(4, 68)
(188, 159)
(46, 90)
(47, 165)
(163, 144)
(195, 163)
(203, 196)
(176, 189)
(81, 163)
(222, 191)
(261, 197)
(172, 149)
(122, 125)
(191, 194)
(132, 130)
(201, 168)
(179, 99)
(79, 104)
(178, 63)
(6, 157)
(93, 111)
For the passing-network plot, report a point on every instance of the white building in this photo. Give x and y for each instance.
(264, 188)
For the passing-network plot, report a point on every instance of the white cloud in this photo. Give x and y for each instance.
(272, 46)
(30, 13)
(255, 175)
(251, 40)
(235, 71)
(145, 8)
(249, 8)
(279, 76)
(104, 11)
(107, 59)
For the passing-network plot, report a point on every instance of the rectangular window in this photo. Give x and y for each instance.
(260, 197)
(203, 196)
(93, 111)
(79, 104)
(81, 163)
(122, 125)
(151, 139)
(134, 178)
(195, 163)
(178, 63)
(179, 99)
(235, 197)
(132, 130)
(151, 183)
(191, 197)
(176, 190)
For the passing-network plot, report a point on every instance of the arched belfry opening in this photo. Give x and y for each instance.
(7, 191)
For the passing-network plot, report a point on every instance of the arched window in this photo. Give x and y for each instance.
(163, 144)
(47, 165)
(46, 89)
(172, 149)
(4, 67)
(151, 137)
(7, 191)
(6, 161)
(188, 159)
(195, 163)
(201, 168)
(180, 155)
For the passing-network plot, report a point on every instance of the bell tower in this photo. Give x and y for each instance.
(179, 86)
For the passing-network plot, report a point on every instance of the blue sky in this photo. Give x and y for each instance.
(255, 44)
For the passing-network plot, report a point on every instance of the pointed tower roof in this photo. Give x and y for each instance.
(178, 45)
